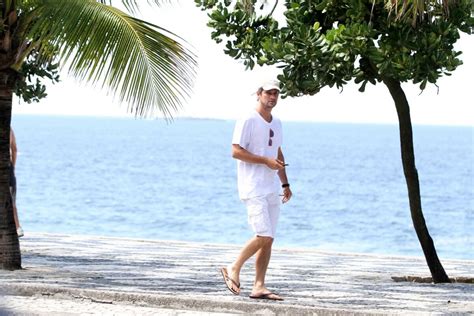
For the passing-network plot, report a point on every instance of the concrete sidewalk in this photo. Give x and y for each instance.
(79, 275)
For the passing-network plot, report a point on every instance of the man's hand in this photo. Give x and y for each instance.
(287, 194)
(275, 164)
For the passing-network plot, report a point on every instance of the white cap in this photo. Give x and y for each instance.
(270, 85)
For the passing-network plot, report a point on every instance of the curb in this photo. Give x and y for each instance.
(201, 304)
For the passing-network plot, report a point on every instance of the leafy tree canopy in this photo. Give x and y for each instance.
(331, 42)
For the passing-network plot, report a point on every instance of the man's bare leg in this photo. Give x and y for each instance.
(251, 247)
(261, 265)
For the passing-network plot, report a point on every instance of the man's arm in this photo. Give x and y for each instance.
(242, 154)
(13, 148)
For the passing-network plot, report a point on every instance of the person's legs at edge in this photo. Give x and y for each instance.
(15, 216)
(19, 230)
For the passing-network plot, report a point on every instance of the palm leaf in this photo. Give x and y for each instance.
(144, 65)
(134, 5)
(414, 10)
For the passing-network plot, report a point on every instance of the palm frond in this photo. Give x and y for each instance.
(134, 5)
(415, 10)
(143, 64)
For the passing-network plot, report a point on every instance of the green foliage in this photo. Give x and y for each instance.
(142, 64)
(29, 87)
(331, 42)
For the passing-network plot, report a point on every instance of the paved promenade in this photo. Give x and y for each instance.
(84, 275)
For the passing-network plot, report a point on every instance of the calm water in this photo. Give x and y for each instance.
(149, 179)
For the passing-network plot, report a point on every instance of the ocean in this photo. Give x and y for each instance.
(150, 179)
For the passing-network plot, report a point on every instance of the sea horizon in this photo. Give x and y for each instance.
(205, 118)
(132, 178)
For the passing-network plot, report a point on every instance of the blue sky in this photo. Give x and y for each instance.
(224, 89)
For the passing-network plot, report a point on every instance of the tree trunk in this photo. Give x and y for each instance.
(10, 256)
(411, 176)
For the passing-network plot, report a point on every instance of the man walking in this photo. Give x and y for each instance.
(256, 145)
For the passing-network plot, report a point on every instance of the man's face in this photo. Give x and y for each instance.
(269, 98)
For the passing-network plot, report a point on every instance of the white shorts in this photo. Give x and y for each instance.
(263, 212)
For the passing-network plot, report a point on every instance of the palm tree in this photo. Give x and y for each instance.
(144, 65)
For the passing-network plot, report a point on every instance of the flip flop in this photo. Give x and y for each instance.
(229, 282)
(267, 296)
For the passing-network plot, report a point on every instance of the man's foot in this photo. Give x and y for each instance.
(20, 232)
(231, 284)
(267, 296)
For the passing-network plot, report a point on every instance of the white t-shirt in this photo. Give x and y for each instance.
(261, 138)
